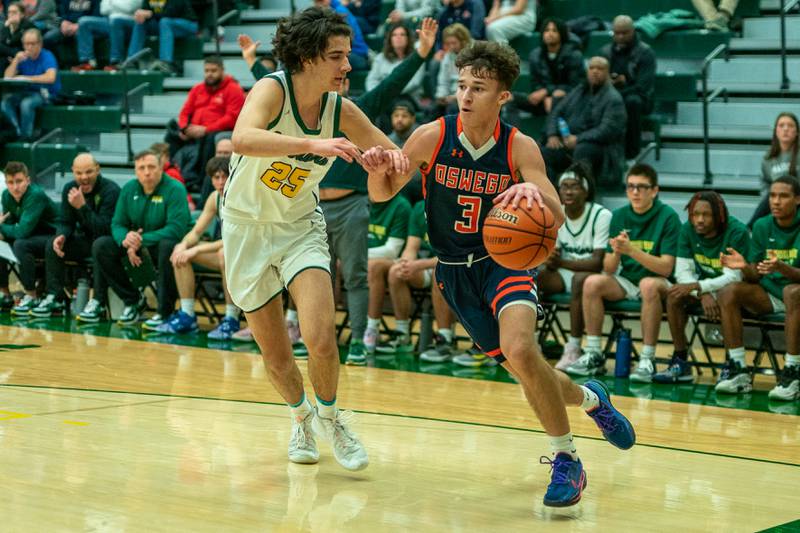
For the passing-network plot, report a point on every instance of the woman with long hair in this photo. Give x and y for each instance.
(11, 32)
(455, 38)
(780, 160)
(397, 45)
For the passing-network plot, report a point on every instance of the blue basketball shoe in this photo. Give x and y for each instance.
(178, 323)
(567, 480)
(615, 427)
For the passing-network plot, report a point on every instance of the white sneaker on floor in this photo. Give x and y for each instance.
(788, 386)
(370, 340)
(571, 354)
(644, 371)
(347, 449)
(302, 445)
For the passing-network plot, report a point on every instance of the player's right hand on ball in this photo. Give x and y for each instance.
(337, 147)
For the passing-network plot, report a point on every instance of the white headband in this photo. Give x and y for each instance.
(569, 175)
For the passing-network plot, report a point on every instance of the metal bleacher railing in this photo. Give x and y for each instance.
(784, 9)
(721, 50)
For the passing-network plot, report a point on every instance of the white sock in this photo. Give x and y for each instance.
(563, 444)
(447, 334)
(232, 311)
(302, 409)
(593, 343)
(291, 315)
(402, 325)
(792, 360)
(187, 306)
(326, 409)
(574, 340)
(590, 398)
(374, 323)
(737, 354)
(648, 352)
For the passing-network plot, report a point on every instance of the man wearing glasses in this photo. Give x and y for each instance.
(639, 258)
(39, 67)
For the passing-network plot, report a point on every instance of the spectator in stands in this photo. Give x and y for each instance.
(366, 12)
(150, 217)
(249, 49)
(91, 28)
(556, 67)
(359, 52)
(211, 107)
(404, 120)
(639, 258)
(510, 18)
(224, 147)
(594, 113)
(780, 160)
(169, 19)
(87, 205)
(455, 38)
(771, 284)
(194, 250)
(411, 11)
(415, 268)
(11, 33)
(633, 73)
(170, 169)
(40, 68)
(717, 19)
(580, 249)
(27, 223)
(69, 12)
(397, 45)
(699, 274)
(44, 15)
(469, 13)
(388, 229)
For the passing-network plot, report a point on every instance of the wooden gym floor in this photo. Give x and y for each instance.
(108, 434)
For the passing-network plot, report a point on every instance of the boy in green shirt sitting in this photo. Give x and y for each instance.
(771, 284)
(639, 258)
(699, 273)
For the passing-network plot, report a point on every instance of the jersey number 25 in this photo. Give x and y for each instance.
(286, 179)
(470, 214)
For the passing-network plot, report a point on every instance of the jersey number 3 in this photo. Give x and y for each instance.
(471, 212)
(286, 179)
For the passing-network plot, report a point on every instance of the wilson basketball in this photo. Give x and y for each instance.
(521, 238)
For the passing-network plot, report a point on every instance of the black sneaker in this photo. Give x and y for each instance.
(679, 371)
(439, 351)
(734, 379)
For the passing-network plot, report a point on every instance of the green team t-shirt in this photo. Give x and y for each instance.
(388, 219)
(418, 227)
(705, 252)
(785, 242)
(655, 232)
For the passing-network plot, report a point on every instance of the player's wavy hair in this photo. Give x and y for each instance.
(304, 36)
(719, 209)
(491, 60)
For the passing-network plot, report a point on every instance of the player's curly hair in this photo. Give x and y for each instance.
(304, 36)
(491, 60)
(719, 210)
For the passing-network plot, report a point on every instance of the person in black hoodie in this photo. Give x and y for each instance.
(633, 73)
(556, 67)
(87, 205)
(170, 19)
(11, 33)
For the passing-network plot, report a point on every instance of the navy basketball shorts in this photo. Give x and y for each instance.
(478, 293)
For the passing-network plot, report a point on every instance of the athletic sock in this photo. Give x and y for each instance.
(564, 444)
(291, 315)
(232, 311)
(792, 360)
(447, 334)
(374, 323)
(683, 355)
(590, 398)
(574, 340)
(301, 408)
(326, 409)
(593, 343)
(737, 354)
(187, 306)
(402, 326)
(648, 352)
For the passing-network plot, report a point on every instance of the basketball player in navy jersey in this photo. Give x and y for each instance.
(470, 162)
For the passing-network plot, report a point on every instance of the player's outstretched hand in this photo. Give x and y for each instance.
(337, 147)
(733, 259)
(518, 192)
(426, 36)
(380, 160)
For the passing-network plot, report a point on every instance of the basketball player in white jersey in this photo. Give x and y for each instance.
(290, 130)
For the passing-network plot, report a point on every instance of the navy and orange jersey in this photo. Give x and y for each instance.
(459, 186)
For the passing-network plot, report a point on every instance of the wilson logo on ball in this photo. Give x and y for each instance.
(505, 216)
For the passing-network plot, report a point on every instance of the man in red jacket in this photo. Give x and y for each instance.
(211, 108)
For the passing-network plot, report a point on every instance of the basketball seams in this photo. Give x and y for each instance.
(533, 251)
